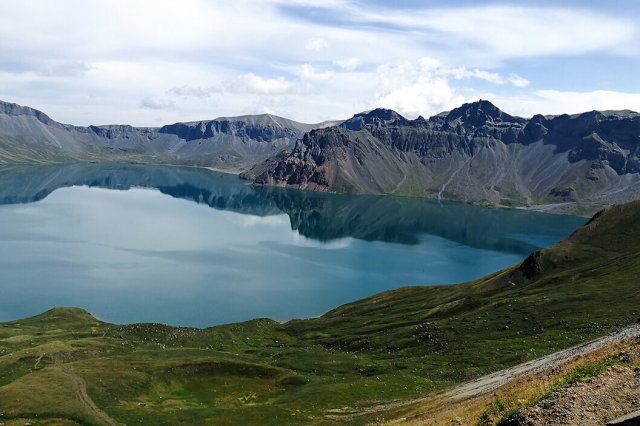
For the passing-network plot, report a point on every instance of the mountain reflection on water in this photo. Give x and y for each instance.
(318, 216)
(233, 252)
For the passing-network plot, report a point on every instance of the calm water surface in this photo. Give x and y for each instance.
(191, 247)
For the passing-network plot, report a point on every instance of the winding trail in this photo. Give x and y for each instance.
(484, 385)
(86, 399)
(491, 382)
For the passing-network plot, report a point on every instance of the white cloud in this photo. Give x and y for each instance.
(63, 68)
(186, 91)
(424, 98)
(151, 62)
(492, 77)
(572, 102)
(424, 87)
(517, 81)
(78, 27)
(253, 83)
(158, 103)
(350, 64)
(308, 72)
(415, 89)
(460, 73)
(565, 102)
(316, 44)
(486, 34)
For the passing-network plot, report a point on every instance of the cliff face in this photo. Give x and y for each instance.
(235, 143)
(474, 153)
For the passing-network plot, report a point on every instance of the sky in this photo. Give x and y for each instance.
(154, 62)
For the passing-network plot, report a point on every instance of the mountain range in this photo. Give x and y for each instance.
(232, 143)
(475, 153)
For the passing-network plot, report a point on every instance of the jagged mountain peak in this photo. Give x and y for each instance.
(480, 105)
(382, 114)
(478, 114)
(374, 116)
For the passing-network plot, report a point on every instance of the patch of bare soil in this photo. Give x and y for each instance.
(593, 401)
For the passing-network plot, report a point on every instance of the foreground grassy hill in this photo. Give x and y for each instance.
(66, 367)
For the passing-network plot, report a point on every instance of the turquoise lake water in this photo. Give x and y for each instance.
(186, 246)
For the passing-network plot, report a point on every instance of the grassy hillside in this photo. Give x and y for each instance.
(391, 346)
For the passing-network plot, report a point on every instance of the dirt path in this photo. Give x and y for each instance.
(486, 384)
(493, 381)
(86, 399)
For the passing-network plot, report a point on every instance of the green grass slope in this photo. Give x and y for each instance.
(391, 346)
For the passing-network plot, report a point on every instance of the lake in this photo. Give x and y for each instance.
(187, 246)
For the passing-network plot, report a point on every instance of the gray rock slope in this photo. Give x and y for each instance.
(232, 143)
(474, 153)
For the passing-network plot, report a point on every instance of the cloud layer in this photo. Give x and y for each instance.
(152, 62)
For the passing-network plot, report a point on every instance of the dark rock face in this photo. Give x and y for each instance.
(610, 139)
(112, 132)
(481, 114)
(473, 153)
(240, 129)
(376, 117)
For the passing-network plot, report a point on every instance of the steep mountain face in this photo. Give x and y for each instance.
(236, 143)
(475, 153)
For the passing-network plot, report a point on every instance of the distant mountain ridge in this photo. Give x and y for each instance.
(233, 143)
(474, 153)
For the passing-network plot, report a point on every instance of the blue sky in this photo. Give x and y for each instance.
(149, 63)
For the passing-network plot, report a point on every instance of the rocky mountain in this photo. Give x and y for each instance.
(474, 153)
(232, 143)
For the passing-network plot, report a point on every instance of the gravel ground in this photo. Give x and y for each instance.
(593, 401)
(491, 382)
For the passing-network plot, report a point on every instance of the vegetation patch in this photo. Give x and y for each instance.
(352, 364)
